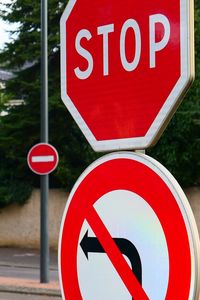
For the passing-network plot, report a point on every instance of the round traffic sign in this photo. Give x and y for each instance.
(128, 233)
(42, 159)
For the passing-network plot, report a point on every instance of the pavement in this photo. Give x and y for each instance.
(20, 282)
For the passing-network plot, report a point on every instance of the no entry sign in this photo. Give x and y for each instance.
(42, 159)
(124, 69)
(128, 233)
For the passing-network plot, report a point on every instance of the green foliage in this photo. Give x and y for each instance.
(20, 129)
(13, 191)
(178, 149)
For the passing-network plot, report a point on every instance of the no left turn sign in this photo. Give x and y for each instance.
(128, 233)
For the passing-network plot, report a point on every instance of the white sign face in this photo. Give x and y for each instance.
(130, 219)
(128, 233)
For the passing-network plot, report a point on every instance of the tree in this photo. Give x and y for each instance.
(178, 149)
(20, 129)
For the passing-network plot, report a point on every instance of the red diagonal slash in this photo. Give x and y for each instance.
(116, 257)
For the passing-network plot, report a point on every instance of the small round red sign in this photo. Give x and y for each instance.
(42, 159)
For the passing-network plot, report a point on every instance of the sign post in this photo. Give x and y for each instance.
(44, 179)
(131, 236)
(42, 159)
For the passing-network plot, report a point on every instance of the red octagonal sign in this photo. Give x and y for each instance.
(125, 67)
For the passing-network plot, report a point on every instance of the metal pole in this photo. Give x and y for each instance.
(44, 183)
(140, 151)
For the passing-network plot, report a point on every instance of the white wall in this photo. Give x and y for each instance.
(20, 225)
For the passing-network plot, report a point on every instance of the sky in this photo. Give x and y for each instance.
(4, 35)
(4, 28)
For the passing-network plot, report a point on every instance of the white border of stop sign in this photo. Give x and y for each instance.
(174, 98)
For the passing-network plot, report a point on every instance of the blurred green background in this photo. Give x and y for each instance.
(178, 149)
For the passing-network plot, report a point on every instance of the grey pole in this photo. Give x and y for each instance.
(44, 183)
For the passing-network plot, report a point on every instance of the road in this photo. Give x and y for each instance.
(11, 296)
(25, 263)
(25, 272)
(20, 271)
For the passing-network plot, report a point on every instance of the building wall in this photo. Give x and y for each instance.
(193, 195)
(19, 225)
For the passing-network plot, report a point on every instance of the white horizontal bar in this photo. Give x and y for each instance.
(48, 158)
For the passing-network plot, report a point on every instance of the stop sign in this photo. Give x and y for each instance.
(125, 68)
